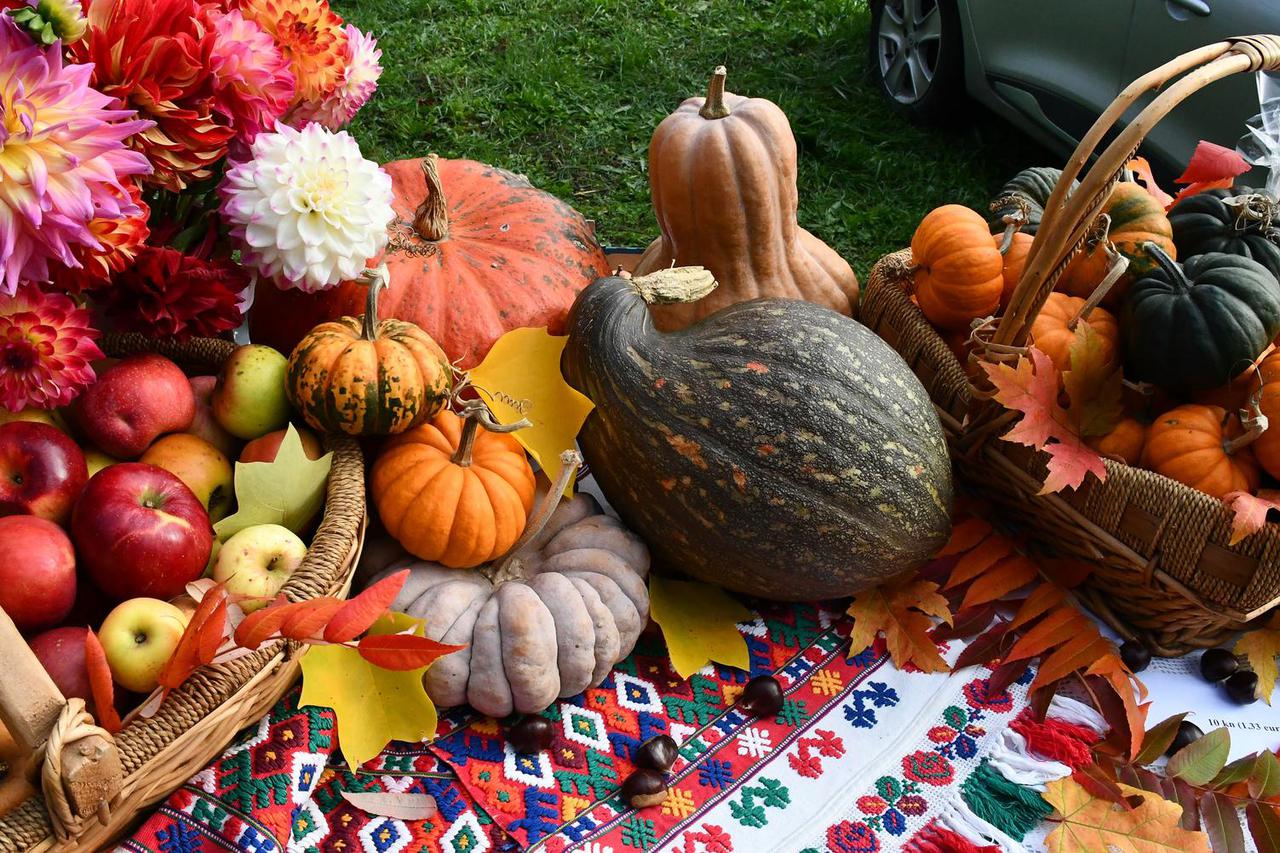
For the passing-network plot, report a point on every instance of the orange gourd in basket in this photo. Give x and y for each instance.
(1015, 261)
(1053, 332)
(1267, 446)
(453, 493)
(1203, 447)
(1135, 218)
(1124, 442)
(959, 269)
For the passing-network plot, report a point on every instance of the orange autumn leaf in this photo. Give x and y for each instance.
(101, 687)
(1042, 599)
(1078, 653)
(1011, 573)
(402, 652)
(307, 619)
(1250, 511)
(261, 625)
(1089, 824)
(359, 614)
(1130, 691)
(1141, 170)
(200, 640)
(901, 610)
(1094, 384)
(983, 556)
(966, 535)
(1032, 389)
(1056, 628)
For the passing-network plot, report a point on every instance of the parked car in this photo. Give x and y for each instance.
(1051, 66)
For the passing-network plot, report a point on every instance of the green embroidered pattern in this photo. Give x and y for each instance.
(750, 812)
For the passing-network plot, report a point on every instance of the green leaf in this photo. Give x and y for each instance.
(288, 491)
(373, 705)
(699, 623)
(1264, 781)
(1158, 739)
(1236, 771)
(1200, 761)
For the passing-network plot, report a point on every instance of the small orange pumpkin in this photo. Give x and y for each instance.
(1267, 446)
(1202, 447)
(959, 269)
(1053, 334)
(1135, 218)
(1124, 442)
(363, 377)
(451, 493)
(1015, 261)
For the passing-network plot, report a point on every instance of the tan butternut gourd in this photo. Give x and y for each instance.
(722, 171)
(546, 621)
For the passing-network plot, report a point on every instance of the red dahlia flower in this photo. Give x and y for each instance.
(168, 294)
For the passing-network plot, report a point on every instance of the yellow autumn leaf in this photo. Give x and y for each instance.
(699, 623)
(520, 378)
(374, 706)
(901, 609)
(1261, 647)
(1091, 824)
(288, 491)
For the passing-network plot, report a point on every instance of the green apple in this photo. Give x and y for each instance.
(200, 465)
(96, 460)
(139, 636)
(256, 562)
(249, 398)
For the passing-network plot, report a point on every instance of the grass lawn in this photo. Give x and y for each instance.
(569, 91)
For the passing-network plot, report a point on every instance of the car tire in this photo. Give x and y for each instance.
(924, 82)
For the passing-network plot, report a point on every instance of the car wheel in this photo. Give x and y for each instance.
(916, 57)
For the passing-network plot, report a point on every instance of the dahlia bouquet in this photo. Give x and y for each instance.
(160, 158)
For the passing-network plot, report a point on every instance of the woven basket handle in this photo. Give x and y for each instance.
(78, 762)
(1068, 215)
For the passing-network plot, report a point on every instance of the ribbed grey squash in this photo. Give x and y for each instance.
(777, 448)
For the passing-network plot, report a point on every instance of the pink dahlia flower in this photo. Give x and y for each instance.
(62, 159)
(359, 82)
(253, 84)
(46, 349)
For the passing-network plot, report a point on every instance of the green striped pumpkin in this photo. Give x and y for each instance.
(777, 448)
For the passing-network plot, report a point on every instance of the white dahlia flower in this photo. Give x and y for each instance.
(308, 210)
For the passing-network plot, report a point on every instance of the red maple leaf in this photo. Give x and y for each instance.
(1250, 511)
(1211, 167)
(1032, 389)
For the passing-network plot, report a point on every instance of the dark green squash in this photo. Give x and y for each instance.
(776, 448)
(1193, 326)
(1033, 186)
(1207, 222)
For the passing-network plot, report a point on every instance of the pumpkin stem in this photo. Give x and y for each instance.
(1177, 277)
(677, 284)
(376, 281)
(1013, 223)
(715, 107)
(1252, 212)
(499, 573)
(475, 415)
(431, 220)
(1252, 419)
(1119, 265)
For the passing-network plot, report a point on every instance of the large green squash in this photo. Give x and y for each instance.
(1208, 222)
(1193, 326)
(1032, 187)
(777, 448)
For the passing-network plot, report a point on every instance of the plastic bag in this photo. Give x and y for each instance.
(1261, 143)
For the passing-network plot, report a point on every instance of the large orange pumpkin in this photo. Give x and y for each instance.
(452, 493)
(722, 172)
(959, 269)
(1052, 333)
(363, 377)
(1198, 446)
(474, 252)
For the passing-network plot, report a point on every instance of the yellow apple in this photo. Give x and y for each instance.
(138, 637)
(41, 416)
(256, 562)
(249, 398)
(97, 460)
(200, 465)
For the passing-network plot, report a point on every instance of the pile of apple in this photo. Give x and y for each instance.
(107, 507)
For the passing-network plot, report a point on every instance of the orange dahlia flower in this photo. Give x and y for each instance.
(311, 37)
(153, 57)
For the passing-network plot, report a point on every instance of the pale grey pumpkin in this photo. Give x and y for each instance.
(547, 621)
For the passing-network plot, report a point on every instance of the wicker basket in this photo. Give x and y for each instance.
(1163, 569)
(95, 786)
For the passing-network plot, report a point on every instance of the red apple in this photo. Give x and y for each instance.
(37, 572)
(264, 449)
(204, 424)
(141, 532)
(134, 403)
(61, 652)
(41, 471)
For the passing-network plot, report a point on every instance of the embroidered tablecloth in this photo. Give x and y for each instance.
(863, 757)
